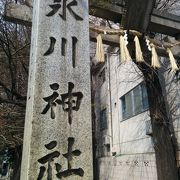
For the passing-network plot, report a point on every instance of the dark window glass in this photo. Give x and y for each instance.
(127, 105)
(144, 97)
(123, 106)
(135, 102)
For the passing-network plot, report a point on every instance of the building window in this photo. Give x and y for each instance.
(144, 97)
(127, 106)
(135, 101)
(103, 120)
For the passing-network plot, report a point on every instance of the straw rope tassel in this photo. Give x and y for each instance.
(122, 52)
(172, 60)
(99, 49)
(125, 56)
(139, 55)
(154, 60)
(128, 57)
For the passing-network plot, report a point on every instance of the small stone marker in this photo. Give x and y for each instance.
(57, 140)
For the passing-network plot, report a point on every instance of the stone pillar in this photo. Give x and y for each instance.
(58, 139)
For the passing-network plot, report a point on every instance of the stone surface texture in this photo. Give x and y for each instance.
(41, 129)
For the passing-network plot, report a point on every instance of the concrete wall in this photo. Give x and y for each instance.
(128, 167)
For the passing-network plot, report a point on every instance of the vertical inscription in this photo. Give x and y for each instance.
(63, 46)
(70, 101)
(51, 18)
(56, 6)
(49, 158)
(51, 47)
(74, 43)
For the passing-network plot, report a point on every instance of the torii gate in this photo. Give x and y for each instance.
(153, 21)
(164, 23)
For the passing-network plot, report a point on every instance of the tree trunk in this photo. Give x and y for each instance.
(165, 150)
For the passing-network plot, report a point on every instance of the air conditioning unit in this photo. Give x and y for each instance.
(148, 127)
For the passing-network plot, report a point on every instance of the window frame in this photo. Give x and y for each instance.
(142, 108)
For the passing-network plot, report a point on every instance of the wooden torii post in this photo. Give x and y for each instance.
(152, 21)
(138, 18)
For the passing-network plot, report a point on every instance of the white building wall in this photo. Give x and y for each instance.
(131, 155)
(128, 167)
